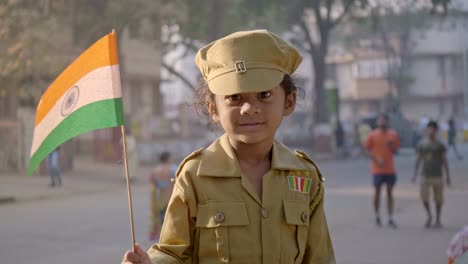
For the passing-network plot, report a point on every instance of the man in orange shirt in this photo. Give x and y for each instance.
(381, 145)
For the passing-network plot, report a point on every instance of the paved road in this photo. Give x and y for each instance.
(93, 227)
(350, 215)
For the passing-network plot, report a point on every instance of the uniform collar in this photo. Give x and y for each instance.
(219, 159)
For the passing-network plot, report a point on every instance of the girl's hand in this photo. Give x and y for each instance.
(137, 257)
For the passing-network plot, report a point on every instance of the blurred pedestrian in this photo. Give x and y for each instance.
(452, 138)
(53, 165)
(381, 145)
(433, 155)
(161, 190)
(246, 198)
(340, 138)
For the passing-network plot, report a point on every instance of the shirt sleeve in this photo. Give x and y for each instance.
(178, 231)
(319, 248)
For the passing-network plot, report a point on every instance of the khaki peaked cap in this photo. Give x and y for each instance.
(246, 61)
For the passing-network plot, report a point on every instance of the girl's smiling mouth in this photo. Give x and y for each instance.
(251, 125)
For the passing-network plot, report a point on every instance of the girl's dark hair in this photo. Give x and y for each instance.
(164, 157)
(204, 96)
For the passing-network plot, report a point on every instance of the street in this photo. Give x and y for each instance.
(98, 94)
(93, 226)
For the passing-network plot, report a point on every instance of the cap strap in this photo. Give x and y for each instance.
(242, 67)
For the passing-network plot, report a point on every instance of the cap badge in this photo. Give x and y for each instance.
(240, 66)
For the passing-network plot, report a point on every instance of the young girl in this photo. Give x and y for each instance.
(246, 198)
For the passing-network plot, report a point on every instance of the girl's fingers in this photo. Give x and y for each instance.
(131, 257)
(137, 256)
(139, 251)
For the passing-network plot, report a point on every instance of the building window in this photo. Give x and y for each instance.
(374, 68)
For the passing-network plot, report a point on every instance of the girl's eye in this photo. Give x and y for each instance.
(264, 95)
(233, 98)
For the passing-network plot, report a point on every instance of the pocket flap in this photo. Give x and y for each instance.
(296, 213)
(213, 214)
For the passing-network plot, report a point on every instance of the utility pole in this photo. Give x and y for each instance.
(465, 72)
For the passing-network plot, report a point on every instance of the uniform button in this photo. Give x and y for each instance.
(304, 217)
(219, 217)
(265, 212)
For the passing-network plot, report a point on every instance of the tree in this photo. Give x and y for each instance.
(401, 25)
(203, 21)
(316, 19)
(143, 19)
(27, 44)
(393, 30)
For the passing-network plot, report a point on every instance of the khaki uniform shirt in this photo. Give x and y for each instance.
(215, 214)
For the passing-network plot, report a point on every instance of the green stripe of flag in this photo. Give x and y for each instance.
(97, 115)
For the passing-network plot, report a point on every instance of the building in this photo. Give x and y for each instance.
(438, 74)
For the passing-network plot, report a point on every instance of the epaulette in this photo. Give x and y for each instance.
(304, 156)
(189, 157)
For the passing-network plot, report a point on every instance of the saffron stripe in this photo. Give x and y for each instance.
(100, 84)
(102, 53)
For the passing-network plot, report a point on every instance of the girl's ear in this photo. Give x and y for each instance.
(212, 111)
(290, 103)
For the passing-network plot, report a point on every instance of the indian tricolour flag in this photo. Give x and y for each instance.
(85, 97)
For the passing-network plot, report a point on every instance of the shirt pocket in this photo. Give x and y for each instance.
(294, 231)
(215, 220)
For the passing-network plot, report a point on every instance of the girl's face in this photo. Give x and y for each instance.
(252, 117)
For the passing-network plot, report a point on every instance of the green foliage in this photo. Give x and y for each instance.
(94, 19)
(207, 20)
(27, 48)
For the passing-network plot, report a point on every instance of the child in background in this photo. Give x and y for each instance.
(53, 165)
(161, 190)
(433, 154)
(246, 198)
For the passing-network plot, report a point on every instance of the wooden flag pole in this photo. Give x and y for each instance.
(127, 177)
(130, 207)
